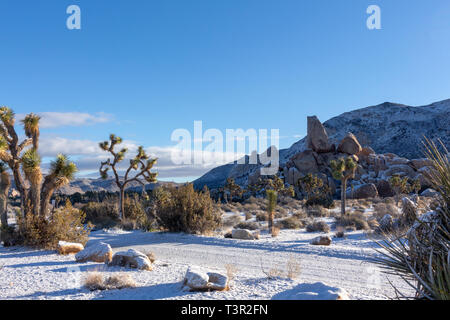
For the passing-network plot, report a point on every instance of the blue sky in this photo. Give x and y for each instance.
(142, 69)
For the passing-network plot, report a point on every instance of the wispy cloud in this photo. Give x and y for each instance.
(87, 156)
(71, 119)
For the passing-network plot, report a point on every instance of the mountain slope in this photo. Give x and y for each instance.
(388, 127)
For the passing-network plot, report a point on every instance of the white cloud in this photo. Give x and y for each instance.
(72, 119)
(87, 155)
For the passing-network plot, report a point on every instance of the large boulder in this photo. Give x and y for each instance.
(384, 189)
(306, 162)
(96, 252)
(313, 291)
(293, 176)
(321, 241)
(198, 279)
(420, 163)
(131, 259)
(317, 138)
(364, 191)
(244, 234)
(400, 170)
(349, 145)
(69, 247)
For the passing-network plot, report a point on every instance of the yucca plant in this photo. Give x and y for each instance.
(141, 165)
(422, 255)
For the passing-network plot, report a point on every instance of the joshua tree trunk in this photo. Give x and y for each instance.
(5, 183)
(4, 208)
(271, 216)
(122, 203)
(343, 196)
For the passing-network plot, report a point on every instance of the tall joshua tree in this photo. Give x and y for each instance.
(343, 170)
(5, 183)
(25, 163)
(141, 164)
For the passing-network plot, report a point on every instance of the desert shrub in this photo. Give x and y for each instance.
(290, 223)
(262, 216)
(248, 225)
(102, 214)
(65, 224)
(317, 226)
(187, 210)
(135, 211)
(352, 220)
(316, 211)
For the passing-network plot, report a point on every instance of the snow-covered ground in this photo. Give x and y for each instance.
(32, 274)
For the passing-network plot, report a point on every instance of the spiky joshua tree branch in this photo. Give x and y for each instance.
(25, 163)
(141, 165)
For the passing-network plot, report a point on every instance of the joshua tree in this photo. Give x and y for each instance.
(311, 184)
(399, 186)
(233, 189)
(343, 170)
(5, 183)
(271, 205)
(141, 163)
(17, 155)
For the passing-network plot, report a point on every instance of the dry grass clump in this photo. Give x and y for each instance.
(150, 255)
(316, 211)
(382, 209)
(248, 225)
(232, 270)
(292, 222)
(96, 281)
(275, 231)
(318, 226)
(356, 220)
(291, 271)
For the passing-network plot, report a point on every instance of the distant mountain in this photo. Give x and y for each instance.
(108, 185)
(388, 127)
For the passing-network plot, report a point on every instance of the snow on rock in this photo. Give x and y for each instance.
(69, 247)
(131, 259)
(321, 241)
(199, 279)
(243, 234)
(429, 193)
(313, 291)
(97, 252)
